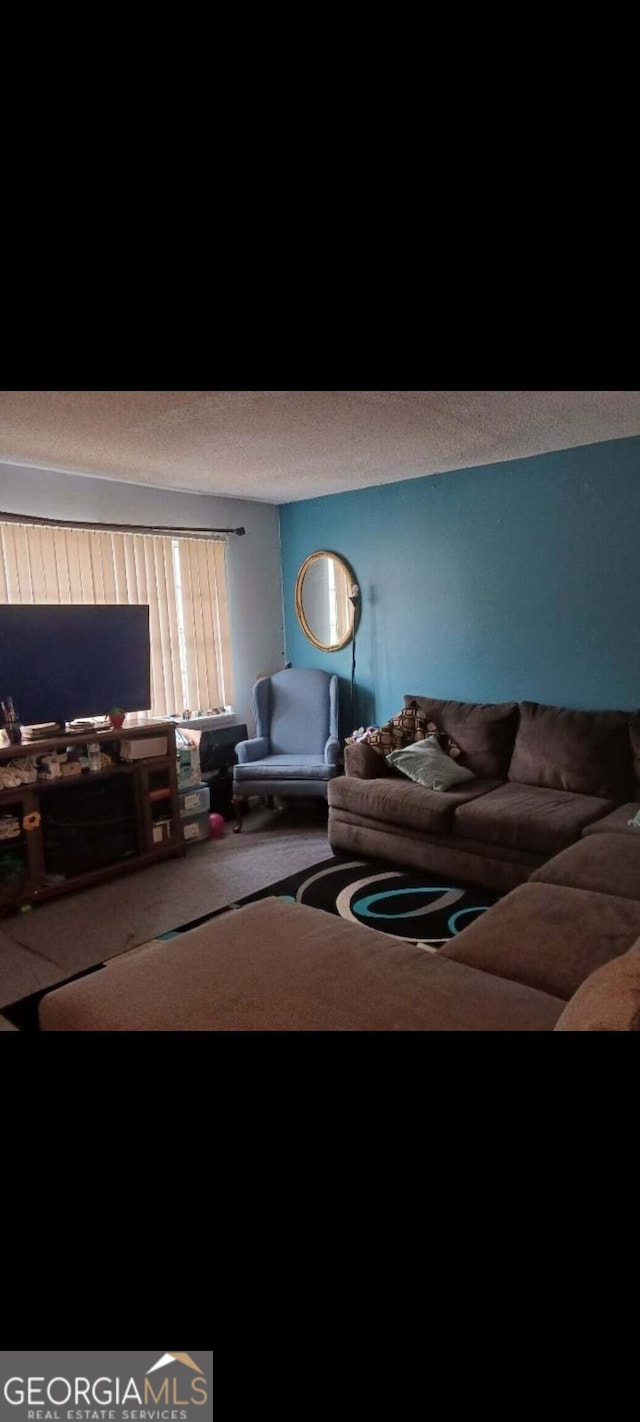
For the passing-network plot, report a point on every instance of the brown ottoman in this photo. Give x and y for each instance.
(275, 966)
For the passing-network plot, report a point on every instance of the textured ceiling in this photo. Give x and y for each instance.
(278, 445)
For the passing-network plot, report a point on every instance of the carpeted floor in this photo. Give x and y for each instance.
(65, 936)
(418, 908)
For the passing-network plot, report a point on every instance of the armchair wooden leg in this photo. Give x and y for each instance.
(238, 805)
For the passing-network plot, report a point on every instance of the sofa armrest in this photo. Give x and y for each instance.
(332, 751)
(363, 762)
(248, 751)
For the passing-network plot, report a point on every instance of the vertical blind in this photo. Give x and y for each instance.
(183, 581)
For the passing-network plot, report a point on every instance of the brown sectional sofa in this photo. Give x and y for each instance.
(559, 953)
(545, 776)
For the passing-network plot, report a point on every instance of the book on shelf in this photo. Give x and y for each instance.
(47, 729)
(41, 732)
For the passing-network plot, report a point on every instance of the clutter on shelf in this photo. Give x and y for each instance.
(11, 721)
(16, 773)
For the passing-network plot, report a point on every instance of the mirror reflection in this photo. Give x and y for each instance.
(326, 615)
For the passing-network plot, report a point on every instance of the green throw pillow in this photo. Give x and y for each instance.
(428, 765)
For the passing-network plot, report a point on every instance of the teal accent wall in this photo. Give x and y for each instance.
(507, 582)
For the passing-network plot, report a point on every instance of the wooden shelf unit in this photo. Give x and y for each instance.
(44, 866)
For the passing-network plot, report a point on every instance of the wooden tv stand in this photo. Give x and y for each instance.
(77, 830)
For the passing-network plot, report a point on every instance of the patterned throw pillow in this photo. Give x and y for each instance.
(402, 730)
(407, 728)
(445, 742)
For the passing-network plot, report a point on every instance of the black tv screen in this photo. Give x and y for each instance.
(62, 663)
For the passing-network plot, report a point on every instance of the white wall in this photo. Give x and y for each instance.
(253, 562)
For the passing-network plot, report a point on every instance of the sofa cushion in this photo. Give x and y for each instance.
(428, 765)
(617, 822)
(285, 767)
(586, 752)
(607, 863)
(526, 817)
(274, 966)
(484, 734)
(548, 936)
(609, 1001)
(400, 802)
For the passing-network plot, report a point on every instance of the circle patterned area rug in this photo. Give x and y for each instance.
(427, 910)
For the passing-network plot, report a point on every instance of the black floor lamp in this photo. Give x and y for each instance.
(356, 601)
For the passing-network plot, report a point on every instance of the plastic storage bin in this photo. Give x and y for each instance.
(196, 827)
(194, 800)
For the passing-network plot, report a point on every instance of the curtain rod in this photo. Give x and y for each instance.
(118, 527)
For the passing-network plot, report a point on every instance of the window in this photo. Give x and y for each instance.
(183, 580)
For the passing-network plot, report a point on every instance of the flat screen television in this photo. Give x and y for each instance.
(64, 663)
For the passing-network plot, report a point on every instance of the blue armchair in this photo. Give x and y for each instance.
(296, 750)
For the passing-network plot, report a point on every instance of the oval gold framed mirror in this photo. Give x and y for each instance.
(324, 587)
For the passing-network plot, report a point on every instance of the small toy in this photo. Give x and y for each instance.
(216, 827)
(363, 733)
